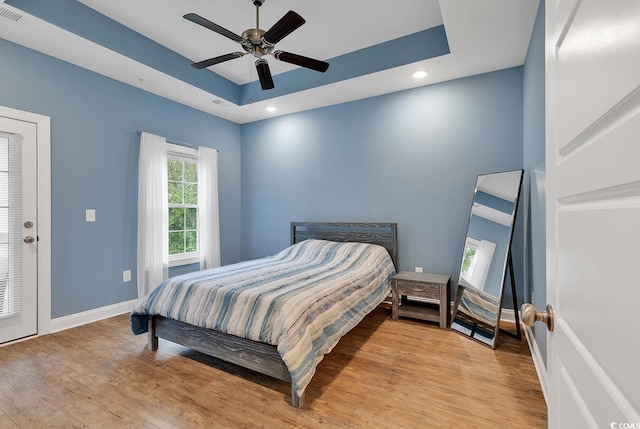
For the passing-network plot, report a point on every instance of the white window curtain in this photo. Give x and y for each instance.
(481, 264)
(153, 213)
(208, 222)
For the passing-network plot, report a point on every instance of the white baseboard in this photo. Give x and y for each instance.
(508, 315)
(78, 319)
(538, 362)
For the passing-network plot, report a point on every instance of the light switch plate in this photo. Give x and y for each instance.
(90, 215)
(126, 276)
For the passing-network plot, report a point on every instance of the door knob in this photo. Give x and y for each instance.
(530, 316)
(29, 239)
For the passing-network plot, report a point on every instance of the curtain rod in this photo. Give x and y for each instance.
(176, 142)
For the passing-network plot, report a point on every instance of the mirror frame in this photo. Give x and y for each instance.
(506, 265)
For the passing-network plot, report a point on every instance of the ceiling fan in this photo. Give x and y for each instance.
(258, 43)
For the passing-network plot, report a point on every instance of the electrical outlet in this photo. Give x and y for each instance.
(90, 215)
(126, 276)
(418, 269)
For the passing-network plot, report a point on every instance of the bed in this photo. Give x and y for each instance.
(296, 305)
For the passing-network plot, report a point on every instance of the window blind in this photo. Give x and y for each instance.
(10, 224)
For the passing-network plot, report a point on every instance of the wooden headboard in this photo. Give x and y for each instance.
(383, 234)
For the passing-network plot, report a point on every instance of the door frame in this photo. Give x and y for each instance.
(43, 149)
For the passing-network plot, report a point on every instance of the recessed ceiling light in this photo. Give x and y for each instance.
(420, 74)
(271, 108)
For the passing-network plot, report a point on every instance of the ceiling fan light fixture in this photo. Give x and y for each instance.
(420, 74)
(259, 43)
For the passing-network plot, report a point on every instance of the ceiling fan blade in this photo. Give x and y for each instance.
(281, 29)
(266, 81)
(301, 61)
(213, 27)
(217, 60)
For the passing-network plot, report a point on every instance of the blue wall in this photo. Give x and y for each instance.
(94, 156)
(534, 159)
(505, 206)
(410, 157)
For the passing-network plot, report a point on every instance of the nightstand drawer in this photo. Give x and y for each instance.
(423, 290)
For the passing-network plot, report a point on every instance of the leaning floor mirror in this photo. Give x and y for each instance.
(486, 259)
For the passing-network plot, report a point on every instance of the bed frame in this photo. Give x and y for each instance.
(261, 357)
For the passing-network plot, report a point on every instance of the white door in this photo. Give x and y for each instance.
(593, 212)
(18, 230)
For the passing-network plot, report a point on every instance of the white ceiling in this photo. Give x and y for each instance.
(505, 185)
(483, 36)
(325, 35)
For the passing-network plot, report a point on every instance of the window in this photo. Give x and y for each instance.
(195, 228)
(476, 261)
(182, 177)
(470, 250)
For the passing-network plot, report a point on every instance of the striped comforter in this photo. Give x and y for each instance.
(302, 300)
(479, 304)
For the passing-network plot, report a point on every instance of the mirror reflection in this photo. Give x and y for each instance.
(486, 256)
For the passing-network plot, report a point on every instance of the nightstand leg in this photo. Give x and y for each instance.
(443, 306)
(394, 301)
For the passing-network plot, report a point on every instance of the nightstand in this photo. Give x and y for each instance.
(421, 296)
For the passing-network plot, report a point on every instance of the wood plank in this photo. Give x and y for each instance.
(253, 355)
(384, 373)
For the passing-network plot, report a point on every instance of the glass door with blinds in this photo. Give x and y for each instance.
(18, 230)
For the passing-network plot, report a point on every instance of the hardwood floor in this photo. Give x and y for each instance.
(383, 374)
